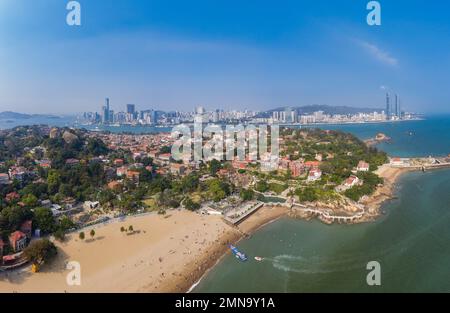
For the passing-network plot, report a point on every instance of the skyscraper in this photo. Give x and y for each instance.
(275, 116)
(131, 109)
(294, 116)
(398, 110)
(154, 117)
(105, 111)
(388, 107)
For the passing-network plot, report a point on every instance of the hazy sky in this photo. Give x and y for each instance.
(233, 54)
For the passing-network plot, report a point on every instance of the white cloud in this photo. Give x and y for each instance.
(379, 54)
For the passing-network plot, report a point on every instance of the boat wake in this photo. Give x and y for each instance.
(314, 265)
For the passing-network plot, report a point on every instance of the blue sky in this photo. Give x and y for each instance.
(175, 55)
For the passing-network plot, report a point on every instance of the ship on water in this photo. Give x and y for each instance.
(239, 255)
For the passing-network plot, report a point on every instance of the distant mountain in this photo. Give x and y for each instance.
(22, 116)
(327, 109)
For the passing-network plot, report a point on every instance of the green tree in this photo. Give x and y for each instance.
(30, 200)
(165, 149)
(247, 194)
(44, 220)
(217, 189)
(53, 181)
(262, 186)
(191, 205)
(81, 235)
(214, 167)
(96, 147)
(40, 251)
(92, 233)
(60, 235)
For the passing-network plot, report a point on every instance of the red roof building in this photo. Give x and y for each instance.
(18, 241)
(12, 196)
(115, 185)
(351, 181)
(312, 164)
(297, 168)
(133, 175)
(118, 162)
(362, 166)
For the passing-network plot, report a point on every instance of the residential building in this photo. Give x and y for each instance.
(297, 168)
(177, 169)
(363, 166)
(18, 241)
(133, 175)
(115, 185)
(4, 179)
(351, 181)
(314, 174)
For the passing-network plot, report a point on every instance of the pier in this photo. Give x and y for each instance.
(326, 217)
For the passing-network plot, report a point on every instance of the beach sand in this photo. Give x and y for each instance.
(386, 191)
(164, 254)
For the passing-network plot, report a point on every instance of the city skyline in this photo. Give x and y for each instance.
(231, 55)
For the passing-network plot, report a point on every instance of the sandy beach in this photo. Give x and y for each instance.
(162, 255)
(386, 191)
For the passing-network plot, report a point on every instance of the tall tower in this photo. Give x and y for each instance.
(398, 110)
(105, 115)
(131, 109)
(388, 107)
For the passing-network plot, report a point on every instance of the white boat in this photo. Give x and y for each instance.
(259, 259)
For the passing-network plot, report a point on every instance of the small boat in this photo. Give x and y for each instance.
(258, 258)
(239, 255)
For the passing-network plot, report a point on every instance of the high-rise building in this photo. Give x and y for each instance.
(276, 116)
(294, 116)
(398, 110)
(388, 107)
(215, 116)
(105, 112)
(154, 117)
(200, 115)
(131, 109)
(200, 110)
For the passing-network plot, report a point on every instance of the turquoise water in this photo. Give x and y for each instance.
(56, 121)
(409, 138)
(411, 242)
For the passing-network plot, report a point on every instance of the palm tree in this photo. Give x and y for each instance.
(130, 228)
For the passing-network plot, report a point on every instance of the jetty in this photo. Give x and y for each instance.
(325, 216)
